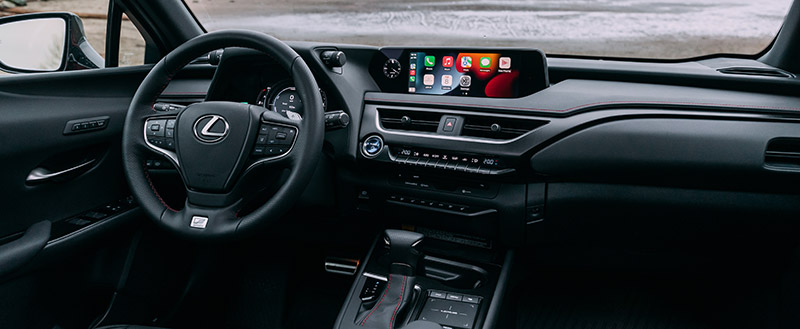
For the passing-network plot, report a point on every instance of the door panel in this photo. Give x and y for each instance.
(34, 114)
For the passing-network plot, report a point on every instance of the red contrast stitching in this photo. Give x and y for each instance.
(739, 106)
(147, 175)
(388, 284)
(402, 288)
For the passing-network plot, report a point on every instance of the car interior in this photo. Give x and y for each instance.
(236, 180)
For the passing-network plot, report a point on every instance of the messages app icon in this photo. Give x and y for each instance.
(430, 61)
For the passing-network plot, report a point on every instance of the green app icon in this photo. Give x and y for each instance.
(412, 78)
(486, 62)
(430, 60)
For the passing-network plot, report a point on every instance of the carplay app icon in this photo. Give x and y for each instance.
(505, 63)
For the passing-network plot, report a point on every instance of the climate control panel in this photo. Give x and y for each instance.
(447, 160)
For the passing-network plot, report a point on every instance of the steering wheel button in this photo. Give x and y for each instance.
(258, 150)
(280, 135)
(154, 127)
(171, 124)
(262, 139)
(169, 133)
(264, 129)
(169, 144)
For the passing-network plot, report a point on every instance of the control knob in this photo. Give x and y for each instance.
(333, 58)
(372, 146)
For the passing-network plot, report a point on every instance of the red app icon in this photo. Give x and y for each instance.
(413, 72)
(447, 61)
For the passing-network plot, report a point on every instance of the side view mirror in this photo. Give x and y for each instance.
(45, 42)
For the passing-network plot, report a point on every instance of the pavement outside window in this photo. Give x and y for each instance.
(666, 29)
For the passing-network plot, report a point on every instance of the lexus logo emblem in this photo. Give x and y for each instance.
(211, 128)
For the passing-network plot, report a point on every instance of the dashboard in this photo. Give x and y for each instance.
(550, 146)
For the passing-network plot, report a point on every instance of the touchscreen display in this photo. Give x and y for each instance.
(463, 74)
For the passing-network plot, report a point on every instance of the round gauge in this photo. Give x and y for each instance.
(284, 99)
(392, 68)
(287, 102)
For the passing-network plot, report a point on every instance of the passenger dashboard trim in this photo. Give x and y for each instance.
(575, 96)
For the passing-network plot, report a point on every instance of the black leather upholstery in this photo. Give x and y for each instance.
(391, 305)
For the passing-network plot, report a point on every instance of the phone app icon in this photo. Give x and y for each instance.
(486, 62)
(466, 62)
(465, 81)
(447, 80)
(505, 63)
(430, 61)
(447, 61)
(428, 79)
(412, 79)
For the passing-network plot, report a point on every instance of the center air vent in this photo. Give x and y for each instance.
(498, 128)
(409, 120)
(481, 126)
(783, 153)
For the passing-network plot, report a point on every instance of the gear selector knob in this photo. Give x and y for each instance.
(405, 251)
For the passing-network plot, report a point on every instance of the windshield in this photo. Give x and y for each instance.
(657, 29)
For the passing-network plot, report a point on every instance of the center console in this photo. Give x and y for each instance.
(409, 278)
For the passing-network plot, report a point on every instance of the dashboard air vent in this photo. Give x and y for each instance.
(498, 128)
(762, 71)
(409, 120)
(783, 153)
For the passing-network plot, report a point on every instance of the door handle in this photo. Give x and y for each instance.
(41, 175)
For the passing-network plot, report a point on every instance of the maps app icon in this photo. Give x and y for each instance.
(466, 62)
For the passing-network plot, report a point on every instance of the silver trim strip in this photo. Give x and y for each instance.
(340, 266)
(171, 155)
(375, 276)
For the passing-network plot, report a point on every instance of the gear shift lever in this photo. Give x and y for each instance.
(405, 251)
(404, 255)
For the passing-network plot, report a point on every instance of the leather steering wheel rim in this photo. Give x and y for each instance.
(223, 220)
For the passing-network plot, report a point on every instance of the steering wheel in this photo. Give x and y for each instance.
(216, 146)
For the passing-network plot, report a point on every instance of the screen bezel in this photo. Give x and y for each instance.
(533, 68)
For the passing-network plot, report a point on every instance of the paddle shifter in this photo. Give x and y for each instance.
(404, 255)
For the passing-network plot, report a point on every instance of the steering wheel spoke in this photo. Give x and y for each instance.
(196, 220)
(275, 143)
(159, 136)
